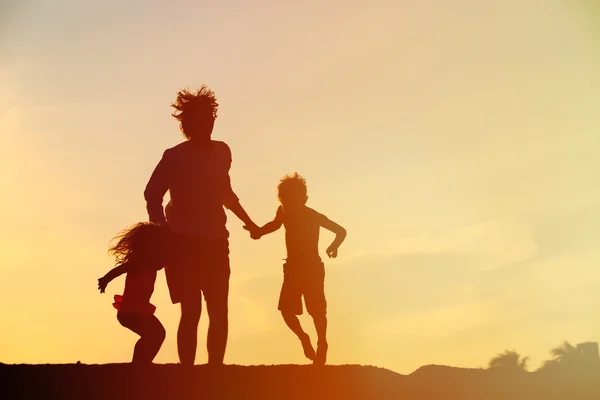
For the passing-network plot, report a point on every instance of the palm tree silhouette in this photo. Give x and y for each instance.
(509, 361)
(565, 355)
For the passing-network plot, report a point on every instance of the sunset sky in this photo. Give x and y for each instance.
(457, 142)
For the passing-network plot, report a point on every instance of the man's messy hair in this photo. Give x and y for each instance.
(292, 186)
(202, 104)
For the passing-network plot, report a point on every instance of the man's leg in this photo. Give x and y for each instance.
(216, 295)
(187, 334)
(184, 287)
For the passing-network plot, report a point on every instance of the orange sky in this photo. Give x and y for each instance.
(456, 144)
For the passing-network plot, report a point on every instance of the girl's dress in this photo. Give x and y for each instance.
(139, 287)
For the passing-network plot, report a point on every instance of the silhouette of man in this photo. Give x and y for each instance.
(196, 174)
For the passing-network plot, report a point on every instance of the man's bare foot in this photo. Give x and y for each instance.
(321, 355)
(309, 351)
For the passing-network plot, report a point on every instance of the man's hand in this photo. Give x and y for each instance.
(332, 251)
(102, 283)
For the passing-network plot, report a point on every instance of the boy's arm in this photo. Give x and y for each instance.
(272, 226)
(340, 235)
(112, 274)
(269, 227)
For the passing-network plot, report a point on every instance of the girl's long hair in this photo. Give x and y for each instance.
(140, 239)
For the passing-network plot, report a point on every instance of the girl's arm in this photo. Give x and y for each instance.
(112, 274)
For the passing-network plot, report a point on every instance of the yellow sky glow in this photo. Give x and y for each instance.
(457, 144)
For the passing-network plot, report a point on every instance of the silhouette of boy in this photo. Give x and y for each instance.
(303, 271)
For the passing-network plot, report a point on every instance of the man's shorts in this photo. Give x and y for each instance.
(303, 279)
(198, 265)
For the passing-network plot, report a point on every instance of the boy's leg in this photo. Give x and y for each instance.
(293, 323)
(316, 305)
(187, 333)
(320, 321)
(152, 335)
(290, 305)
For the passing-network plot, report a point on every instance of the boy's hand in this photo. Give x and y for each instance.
(332, 251)
(102, 283)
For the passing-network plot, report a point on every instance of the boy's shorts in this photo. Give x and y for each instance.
(303, 279)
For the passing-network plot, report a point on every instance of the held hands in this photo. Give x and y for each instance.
(254, 230)
(332, 251)
(102, 283)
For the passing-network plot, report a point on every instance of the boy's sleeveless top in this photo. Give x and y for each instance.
(301, 234)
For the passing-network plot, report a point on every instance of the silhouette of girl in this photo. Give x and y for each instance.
(140, 252)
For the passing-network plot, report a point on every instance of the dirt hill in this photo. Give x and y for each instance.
(124, 381)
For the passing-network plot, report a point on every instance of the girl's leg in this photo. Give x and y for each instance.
(152, 335)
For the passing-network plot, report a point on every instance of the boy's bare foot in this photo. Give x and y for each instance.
(309, 351)
(321, 355)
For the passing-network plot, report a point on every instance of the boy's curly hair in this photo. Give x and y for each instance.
(292, 186)
(201, 104)
(141, 239)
